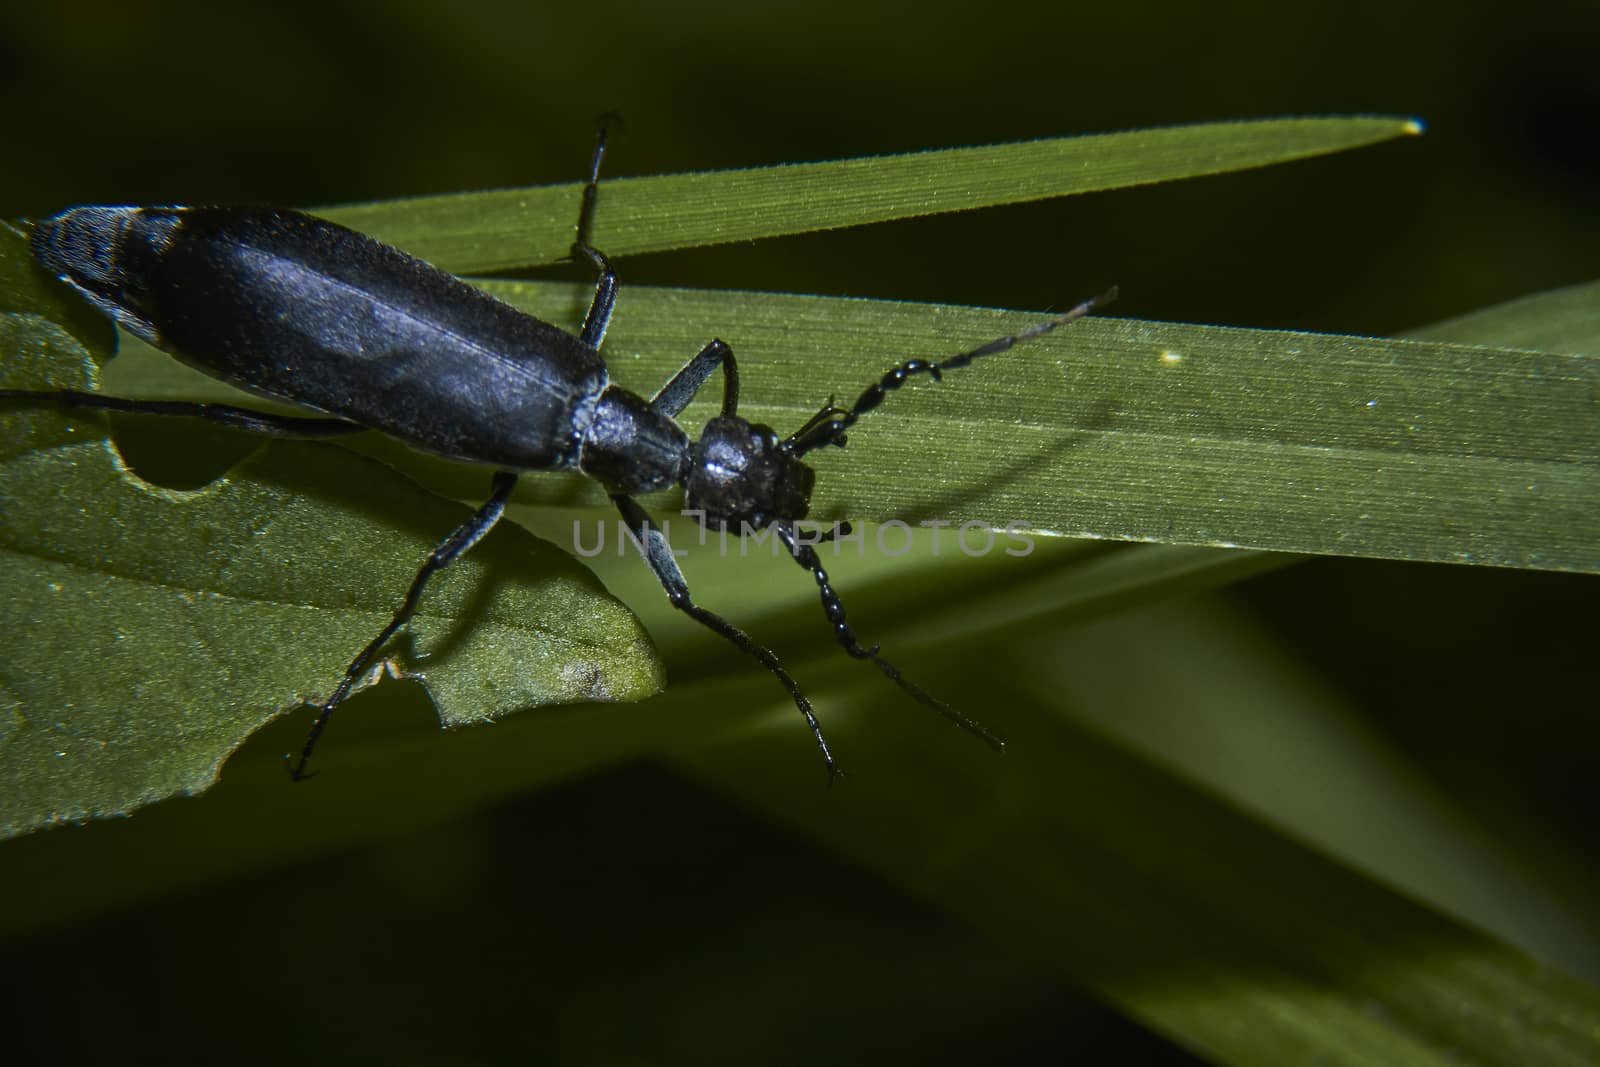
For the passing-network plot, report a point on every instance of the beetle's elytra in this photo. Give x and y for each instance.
(365, 337)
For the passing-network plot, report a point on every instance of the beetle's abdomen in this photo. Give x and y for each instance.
(302, 310)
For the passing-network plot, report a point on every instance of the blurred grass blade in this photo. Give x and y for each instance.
(1239, 943)
(1560, 320)
(500, 229)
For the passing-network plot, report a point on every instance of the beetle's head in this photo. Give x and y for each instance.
(741, 472)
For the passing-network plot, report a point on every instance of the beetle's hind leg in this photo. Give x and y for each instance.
(459, 542)
(222, 414)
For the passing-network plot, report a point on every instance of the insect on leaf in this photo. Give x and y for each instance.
(156, 629)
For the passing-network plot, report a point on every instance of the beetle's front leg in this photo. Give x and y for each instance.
(806, 556)
(676, 394)
(658, 556)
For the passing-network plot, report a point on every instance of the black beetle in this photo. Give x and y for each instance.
(301, 310)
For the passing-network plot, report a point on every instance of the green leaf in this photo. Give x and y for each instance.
(162, 627)
(486, 231)
(26, 288)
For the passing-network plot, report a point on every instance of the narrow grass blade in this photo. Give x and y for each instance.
(1142, 431)
(1561, 320)
(488, 231)
(1151, 431)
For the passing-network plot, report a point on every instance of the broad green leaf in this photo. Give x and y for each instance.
(478, 232)
(370, 784)
(26, 290)
(160, 628)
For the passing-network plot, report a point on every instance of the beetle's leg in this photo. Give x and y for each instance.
(676, 394)
(605, 286)
(223, 414)
(658, 555)
(447, 552)
(806, 556)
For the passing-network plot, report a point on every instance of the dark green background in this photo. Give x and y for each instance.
(634, 917)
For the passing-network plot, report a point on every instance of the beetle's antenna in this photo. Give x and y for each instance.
(806, 556)
(827, 426)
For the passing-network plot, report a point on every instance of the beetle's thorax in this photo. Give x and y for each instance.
(632, 447)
